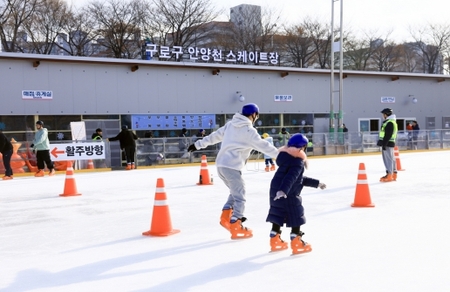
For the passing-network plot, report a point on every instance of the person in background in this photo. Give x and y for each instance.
(239, 137)
(98, 135)
(149, 148)
(344, 128)
(283, 136)
(415, 134)
(127, 142)
(267, 159)
(285, 200)
(6, 149)
(200, 134)
(409, 131)
(41, 146)
(183, 142)
(387, 136)
(345, 131)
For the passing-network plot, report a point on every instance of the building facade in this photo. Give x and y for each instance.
(167, 96)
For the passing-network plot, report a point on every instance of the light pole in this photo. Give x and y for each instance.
(332, 89)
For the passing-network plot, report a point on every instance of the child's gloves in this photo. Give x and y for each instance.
(322, 186)
(279, 195)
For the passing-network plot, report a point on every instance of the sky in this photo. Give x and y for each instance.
(380, 17)
(94, 242)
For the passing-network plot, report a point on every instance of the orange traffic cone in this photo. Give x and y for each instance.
(161, 224)
(397, 158)
(70, 186)
(90, 164)
(362, 194)
(204, 179)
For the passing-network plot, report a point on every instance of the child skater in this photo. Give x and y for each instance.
(285, 200)
(267, 159)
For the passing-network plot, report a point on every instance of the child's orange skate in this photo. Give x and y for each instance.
(276, 243)
(298, 245)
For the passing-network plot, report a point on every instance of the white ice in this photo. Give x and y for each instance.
(94, 242)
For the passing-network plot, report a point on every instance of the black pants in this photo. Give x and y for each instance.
(130, 151)
(44, 156)
(7, 162)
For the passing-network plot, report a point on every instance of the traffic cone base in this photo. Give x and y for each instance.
(362, 193)
(150, 233)
(205, 178)
(161, 224)
(70, 186)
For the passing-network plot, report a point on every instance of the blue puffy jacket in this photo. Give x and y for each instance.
(289, 179)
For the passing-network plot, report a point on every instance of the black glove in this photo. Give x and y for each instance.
(380, 143)
(384, 147)
(191, 148)
(32, 145)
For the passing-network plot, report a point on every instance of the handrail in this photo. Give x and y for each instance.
(164, 151)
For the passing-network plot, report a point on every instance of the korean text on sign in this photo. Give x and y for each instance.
(282, 97)
(37, 94)
(215, 55)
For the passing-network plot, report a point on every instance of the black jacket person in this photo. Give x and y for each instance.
(128, 144)
(6, 149)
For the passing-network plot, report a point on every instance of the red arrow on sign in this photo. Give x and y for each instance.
(56, 152)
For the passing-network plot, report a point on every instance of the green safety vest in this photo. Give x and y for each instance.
(394, 133)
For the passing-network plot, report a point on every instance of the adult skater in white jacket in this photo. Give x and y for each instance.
(238, 138)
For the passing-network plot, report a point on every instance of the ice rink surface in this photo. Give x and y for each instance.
(94, 242)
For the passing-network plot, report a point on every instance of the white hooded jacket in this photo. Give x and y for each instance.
(238, 138)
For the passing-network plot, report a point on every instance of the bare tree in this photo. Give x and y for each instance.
(386, 55)
(222, 37)
(299, 47)
(44, 26)
(410, 58)
(81, 32)
(432, 41)
(13, 14)
(320, 34)
(119, 26)
(446, 56)
(358, 52)
(254, 28)
(180, 22)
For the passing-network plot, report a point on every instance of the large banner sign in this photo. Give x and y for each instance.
(173, 122)
(77, 151)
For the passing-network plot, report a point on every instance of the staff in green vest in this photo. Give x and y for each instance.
(97, 135)
(387, 136)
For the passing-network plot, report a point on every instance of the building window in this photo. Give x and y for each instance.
(16, 123)
(369, 125)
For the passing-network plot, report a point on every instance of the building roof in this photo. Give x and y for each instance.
(132, 63)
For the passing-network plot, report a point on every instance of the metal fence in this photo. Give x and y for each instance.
(168, 151)
(363, 142)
